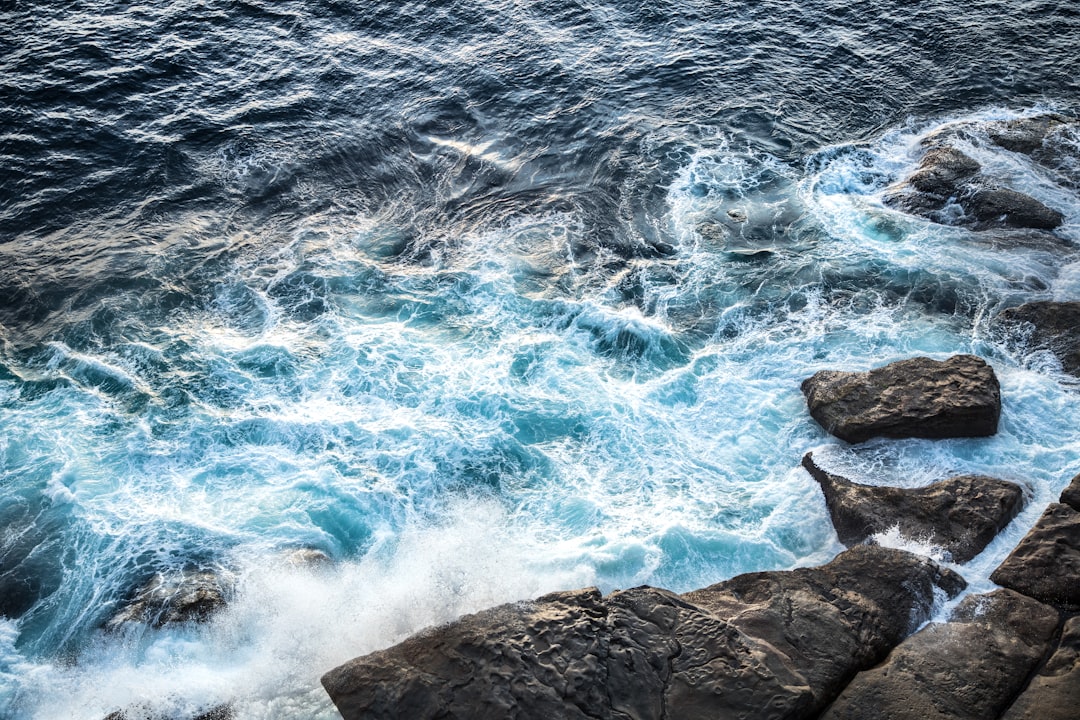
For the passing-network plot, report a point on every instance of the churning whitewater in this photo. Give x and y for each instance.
(471, 302)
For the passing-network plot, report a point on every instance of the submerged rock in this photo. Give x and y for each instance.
(1025, 135)
(946, 177)
(784, 640)
(969, 668)
(1054, 694)
(961, 515)
(218, 712)
(918, 397)
(1046, 563)
(1047, 325)
(188, 596)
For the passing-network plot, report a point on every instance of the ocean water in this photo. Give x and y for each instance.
(458, 294)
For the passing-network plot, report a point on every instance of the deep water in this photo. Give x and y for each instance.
(458, 294)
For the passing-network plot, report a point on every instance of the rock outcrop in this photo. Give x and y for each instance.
(763, 645)
(969, 668)
(947, 178)
(188, 596)
(960, 515)
(1046, 563)
(952, 188)
(1054, 693)
(1046, 325)
(918, 397)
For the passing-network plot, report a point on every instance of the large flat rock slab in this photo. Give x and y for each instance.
(764, 645)
(969, 668)
(918, 397)
(961, 515)
(1047, 325)
(1054, 693)
(1046, 563)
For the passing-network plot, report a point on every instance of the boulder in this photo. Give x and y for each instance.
(1047, 325)
(1054, 694)
(1046, 563)
(918, 397)
(769, 645)
(969, 668)
(960, 515)
(1071, 495)
(187, 596)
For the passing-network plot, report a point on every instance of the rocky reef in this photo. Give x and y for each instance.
(841, 641)
(952, 188)
(770, 645)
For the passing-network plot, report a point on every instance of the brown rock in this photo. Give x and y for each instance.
(1046, 563)
(764, 645)
(919, 397)
(1071, 495)
(1054, 694)
(961, 515)
(969, 668)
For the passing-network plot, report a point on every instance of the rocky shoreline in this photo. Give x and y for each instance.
(839, 641)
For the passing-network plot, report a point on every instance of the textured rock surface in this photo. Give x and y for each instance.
(1047, 325)
(764, 645)
(918, 397)
(990, 207)
(961, 515)
(1071, 495)
(1054, 694)
(1046, 563)
(189, 596)
(969, 668)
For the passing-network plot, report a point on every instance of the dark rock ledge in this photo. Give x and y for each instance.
(961, 515)
(1046, 563)
(969, 668)
(918, 397)
(762, 645)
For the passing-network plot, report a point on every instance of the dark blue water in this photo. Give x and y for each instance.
(451, 293)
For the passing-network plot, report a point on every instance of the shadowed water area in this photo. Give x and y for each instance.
(481, 300)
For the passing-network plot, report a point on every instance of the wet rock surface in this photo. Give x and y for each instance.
(1047, 325)
(946, 190)
(218, 712)
(961, 515)
(1046, 563)
(1054, 693)
(188, 596)
(918, 397)
(969, 668)
(768, 645)
(1071, 495)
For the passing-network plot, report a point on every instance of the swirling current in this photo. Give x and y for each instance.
(478, 299)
